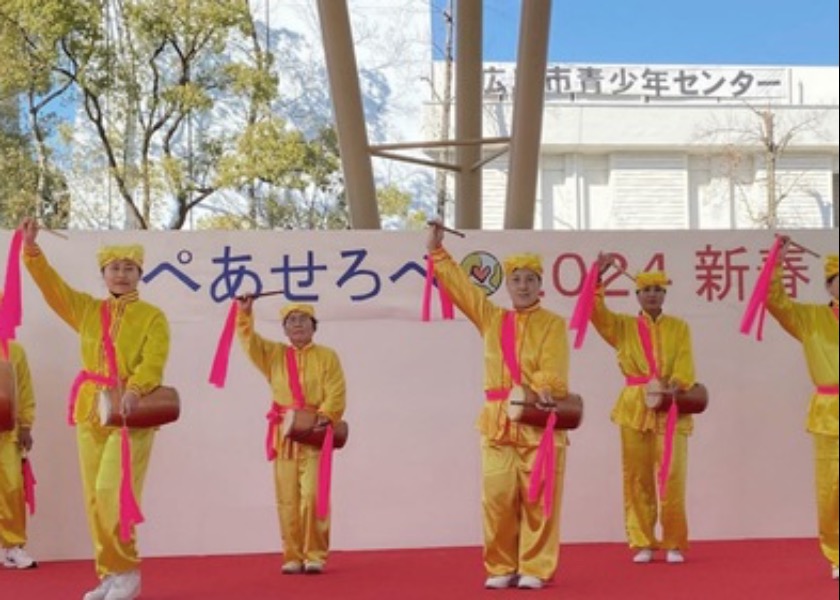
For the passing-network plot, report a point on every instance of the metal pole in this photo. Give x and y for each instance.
(526, 128)
(349, 115)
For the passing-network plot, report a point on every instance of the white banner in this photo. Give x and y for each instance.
(409, 476)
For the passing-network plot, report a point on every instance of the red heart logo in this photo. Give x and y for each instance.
(480, 274)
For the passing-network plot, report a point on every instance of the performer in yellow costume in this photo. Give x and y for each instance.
(521, 541)
(13, 445)
(319, 386)
(642, 428)
(815, 326)
(140, 333)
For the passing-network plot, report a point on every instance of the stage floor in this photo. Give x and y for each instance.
(788, 569)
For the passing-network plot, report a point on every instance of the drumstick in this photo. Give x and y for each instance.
(260, 295)
(55, 233)
(803, 248)
(460, 234)
(621, 270)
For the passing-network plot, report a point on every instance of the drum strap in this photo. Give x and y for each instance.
(508, 339)
(294, 378)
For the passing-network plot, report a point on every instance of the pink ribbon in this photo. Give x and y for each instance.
(446, 306)
(29, 482)
(828, 390)
(11, 309)
(544, 467)
(667, 451)
(130, 514)
(218, 371)
(758, 299)
(544, 463)
(579, 320)
(673, 412)
(322, 501)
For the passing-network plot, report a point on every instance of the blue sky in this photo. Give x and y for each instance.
(709, 32)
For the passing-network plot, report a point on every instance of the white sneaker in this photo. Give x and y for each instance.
(643, 556)
(101, 590)
(293, 567)
(17, 558)
(529, 582)
(835, 572)
(499, 582)
(124, 586)
(674, 557)
(313, 567)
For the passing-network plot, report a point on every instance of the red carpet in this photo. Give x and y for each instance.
(734, 570)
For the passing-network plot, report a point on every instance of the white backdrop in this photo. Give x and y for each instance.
(409, 476)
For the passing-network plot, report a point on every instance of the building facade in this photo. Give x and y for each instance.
(672, 146)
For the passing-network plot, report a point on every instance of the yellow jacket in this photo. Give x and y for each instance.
(672, 350)
(815, 326)
(140, 332)
(322, 378)
(543, 351)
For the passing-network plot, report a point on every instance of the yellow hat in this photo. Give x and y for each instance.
(306, 309)
(532, 262)
(108, 254)
(652, 279)
(830, 266)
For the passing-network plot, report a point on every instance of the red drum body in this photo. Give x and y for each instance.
(522, 408)
(299, 426)
(159, 407)
(692, 401)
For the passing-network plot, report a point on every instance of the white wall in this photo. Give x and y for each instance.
(409, 476)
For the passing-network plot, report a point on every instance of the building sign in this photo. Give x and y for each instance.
(695, 83)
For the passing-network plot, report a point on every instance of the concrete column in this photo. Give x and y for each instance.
(469, 76)
(349, 115)
(526, 128)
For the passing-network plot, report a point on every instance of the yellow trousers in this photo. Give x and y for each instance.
(518, 537)
(12, 502)
(100, 462)
(826, 450)
(305, 537)
(641, 455)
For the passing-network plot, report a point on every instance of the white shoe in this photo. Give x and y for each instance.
(101, 590)
(499, 582)
(17, 558)
(674, 557)
(643, 556)
(124, 586)
(835, 572)
(293, 567)
(313, 567)
(529, 582)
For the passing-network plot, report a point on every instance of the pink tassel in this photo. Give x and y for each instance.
(130, 514)
(11, 308)
(670, 431)
(758, 299)
(274, 417)
(583, 308)
(447, 308)
(542, 475)
(29, 482)
(218, 372)
(322, 501)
